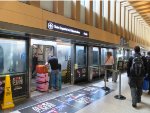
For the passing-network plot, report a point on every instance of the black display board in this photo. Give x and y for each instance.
(66, 29)
(18, 85)
(120, 65)
(2, 80)
(95, 72)
(80, 73)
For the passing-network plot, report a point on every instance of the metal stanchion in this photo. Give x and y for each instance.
(121, 97)
(105, 78)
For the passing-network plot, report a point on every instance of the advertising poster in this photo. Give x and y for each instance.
(93, 92)
(51, 106)
(80, 73)
(73, 99)
(95, 72)
(2, 81)
(18, 84)
(68, 103)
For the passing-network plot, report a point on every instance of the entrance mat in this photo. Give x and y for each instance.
(68, 103)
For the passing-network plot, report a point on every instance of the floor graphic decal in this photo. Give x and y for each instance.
(68, 103)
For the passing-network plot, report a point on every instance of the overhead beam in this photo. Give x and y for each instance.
(143, 9)
(142, 6)
(138, 3)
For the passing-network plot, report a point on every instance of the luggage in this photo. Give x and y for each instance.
(59, 82)
(115, 75)
(41, 69)
(146, 84)
(42, 78)
(42, 86)
(56, 81)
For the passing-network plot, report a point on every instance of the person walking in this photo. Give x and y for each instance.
(109, 64)
(136, 70)
(148, 69)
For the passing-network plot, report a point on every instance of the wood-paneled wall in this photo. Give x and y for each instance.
(33, 16)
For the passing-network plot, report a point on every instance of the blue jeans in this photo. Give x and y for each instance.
(53, 81)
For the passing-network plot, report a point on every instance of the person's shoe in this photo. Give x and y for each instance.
(149, 93)
(50, 90)
(139, 101)
(134, 105)
(56, 89)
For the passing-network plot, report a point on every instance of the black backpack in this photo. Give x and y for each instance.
(137, 69)
(148, 64)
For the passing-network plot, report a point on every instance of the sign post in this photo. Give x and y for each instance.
(120, 67)
(7, 101)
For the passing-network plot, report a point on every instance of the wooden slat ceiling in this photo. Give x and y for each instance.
(143, 8)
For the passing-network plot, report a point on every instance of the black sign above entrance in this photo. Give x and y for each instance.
(66, 29)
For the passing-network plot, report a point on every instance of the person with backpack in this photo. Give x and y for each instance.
(148, 69)
(136, 70)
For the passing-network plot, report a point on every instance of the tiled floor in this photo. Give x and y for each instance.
(106, 104)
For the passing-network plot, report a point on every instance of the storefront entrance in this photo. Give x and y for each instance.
(42, 50)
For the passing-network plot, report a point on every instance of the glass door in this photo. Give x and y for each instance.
(80, 63)
(103, 59)
(95, 62)
(64, 58)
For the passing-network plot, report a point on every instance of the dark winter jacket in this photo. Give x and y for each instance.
(130, 64)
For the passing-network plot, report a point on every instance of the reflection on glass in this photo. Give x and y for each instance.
(120, 54)
(95, 56)
(12, 56)
(63, 54)
(103, 55)
(80, 56)
(126, 55)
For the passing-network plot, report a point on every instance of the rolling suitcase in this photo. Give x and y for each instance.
(42, 86)
(41, 69)
(115, 75)
(42, 78)
(59, 82)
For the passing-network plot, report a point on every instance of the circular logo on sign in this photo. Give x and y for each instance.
(50, 25)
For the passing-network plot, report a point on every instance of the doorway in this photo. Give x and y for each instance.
(81, 69)
(41, 50)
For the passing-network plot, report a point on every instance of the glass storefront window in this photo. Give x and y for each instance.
(12, 56)
(120, 54)
(63, 54)
(80, 56)
(95, 56)
(103, 55)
